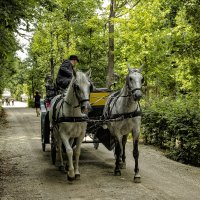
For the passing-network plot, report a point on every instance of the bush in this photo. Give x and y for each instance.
(174, 125)
(31, 103)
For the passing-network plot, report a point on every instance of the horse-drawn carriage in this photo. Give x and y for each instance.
(112, 118)
(98, 98)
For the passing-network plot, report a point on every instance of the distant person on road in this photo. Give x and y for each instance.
(37, 98)
(13, 101)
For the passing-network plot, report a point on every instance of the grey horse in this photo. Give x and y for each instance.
(123, 115)
(68, 119)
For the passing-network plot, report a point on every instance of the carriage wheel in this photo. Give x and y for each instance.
(96, 145)
(53, 151)
(96, 142)
(43, 146)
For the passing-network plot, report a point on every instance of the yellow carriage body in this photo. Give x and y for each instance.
(98, 98)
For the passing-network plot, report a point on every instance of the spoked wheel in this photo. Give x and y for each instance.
(43, 146)
(53, 150)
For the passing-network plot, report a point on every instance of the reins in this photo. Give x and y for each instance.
(58, 119)
(114, 118)
(72, 119)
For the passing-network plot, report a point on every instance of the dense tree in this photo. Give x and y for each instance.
(163, 36)
(13, 13)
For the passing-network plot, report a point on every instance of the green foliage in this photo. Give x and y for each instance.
(31, 103)
(13, 13)
(161, 35)
(71, 28)
(170, 120)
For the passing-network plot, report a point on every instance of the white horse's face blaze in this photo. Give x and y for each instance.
(134, 83)
(82, 91)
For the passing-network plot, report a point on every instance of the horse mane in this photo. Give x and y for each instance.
(80, 77)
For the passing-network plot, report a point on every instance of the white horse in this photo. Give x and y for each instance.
(123, 115)
(68, 119)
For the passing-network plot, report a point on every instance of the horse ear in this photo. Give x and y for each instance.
(129, 70)
(88, 73)
(74, 73)
(140, 69)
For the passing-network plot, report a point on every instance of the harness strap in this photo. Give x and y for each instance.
(126, 115)
(115, 94)
(120, 116)
(54, 107)
(72, 119)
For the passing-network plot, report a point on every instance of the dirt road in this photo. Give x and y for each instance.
(26, 172)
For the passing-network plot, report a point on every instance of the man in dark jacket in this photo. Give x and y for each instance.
(65, 73)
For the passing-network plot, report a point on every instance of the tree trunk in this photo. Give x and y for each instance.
(111, 27)
(51, 59)
(60, 50)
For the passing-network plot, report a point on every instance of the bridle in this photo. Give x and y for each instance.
(80, 100)
(130, 90)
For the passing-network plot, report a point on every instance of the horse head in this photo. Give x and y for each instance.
(134, 81)
(82, 88)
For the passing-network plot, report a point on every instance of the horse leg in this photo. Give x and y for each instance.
(117, 171)
(77, 152)
(69, 151)
(61, 167)
(123, 161)
(71, 141)
(137, 176)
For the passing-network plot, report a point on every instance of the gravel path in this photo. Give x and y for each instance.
(26, 171)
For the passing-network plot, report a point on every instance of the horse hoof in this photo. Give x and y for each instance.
(67, 168)
(70, 179)
(61, 168)
(117, 173)
(77, 176)
(137, 179)
(122, 165)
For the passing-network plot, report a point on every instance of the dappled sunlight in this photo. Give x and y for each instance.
(18, 138)
(17, 104)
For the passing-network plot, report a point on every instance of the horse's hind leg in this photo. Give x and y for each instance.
(137, 176)
(117, 171)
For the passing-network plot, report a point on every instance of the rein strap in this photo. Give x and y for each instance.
(72, 119)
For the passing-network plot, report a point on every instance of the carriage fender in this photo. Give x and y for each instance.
(105, 138)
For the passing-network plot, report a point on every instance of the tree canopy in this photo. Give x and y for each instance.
(162, 36)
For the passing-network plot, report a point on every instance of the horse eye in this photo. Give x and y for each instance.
(130, 79)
